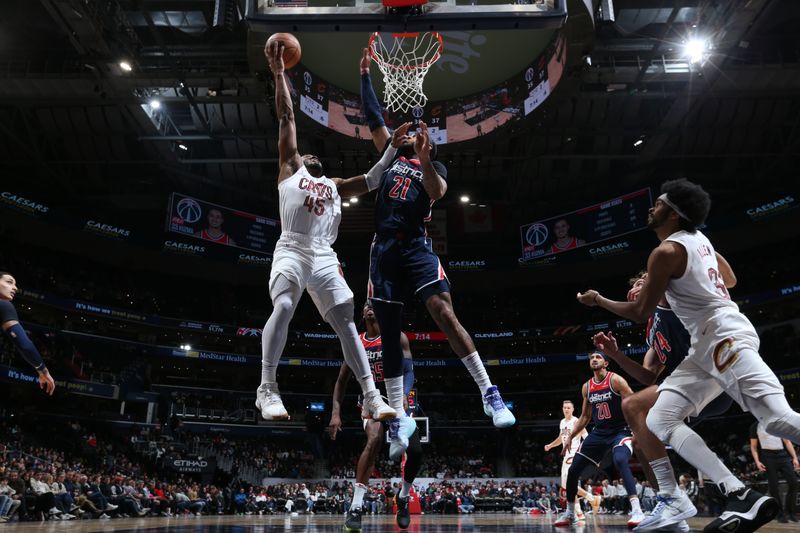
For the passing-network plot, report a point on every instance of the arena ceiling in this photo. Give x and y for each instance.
(76, 127)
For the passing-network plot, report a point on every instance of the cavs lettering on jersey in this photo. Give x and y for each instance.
(310, 206)
(606, 406)
(566, 430)
(374, 350)
(402, 204)
(670, 340)
(222, 239)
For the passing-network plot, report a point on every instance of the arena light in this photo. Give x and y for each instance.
(125, 66)
(345, 204)
(638, 142)
(464, 199)
(155, 104)
(695, 49)
(354, 200)
(183, 146)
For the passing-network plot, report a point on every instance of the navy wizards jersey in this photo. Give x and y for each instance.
(606, 406)
(402, 205)
(670, 340)
(374, 350)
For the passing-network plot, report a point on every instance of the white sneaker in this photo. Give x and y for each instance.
(494, 406)
(667, 512)
(104, 515)
(111, 507)
(636, 518)
(566, 519)
(683, 527)
(54, 510)
(268, 401)
(580, 516)
(375, 408)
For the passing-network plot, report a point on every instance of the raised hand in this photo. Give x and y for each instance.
(401, 136)
(605, 342)
(588, 298)
(274, 53)
(422, 143)
(365, 61)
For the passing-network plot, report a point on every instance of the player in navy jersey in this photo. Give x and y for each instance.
(373, 345)
(402, 262)
(9, 324)
(602, 404)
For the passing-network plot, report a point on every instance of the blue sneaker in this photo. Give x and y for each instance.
(494, 406)
(400, 430)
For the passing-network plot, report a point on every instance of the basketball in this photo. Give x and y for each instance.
(291, 48)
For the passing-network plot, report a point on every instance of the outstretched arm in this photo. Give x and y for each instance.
(434, 185)
(289, 160)
(554, 444)
(645, 374)
(372, 108)
(358, 185)
(666, 261)
(28, 351)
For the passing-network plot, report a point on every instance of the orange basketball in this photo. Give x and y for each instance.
(291, 48)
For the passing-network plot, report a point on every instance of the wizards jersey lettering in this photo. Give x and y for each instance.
(402, 204)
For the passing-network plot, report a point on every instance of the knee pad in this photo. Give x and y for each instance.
(660, 424)
(785, 427)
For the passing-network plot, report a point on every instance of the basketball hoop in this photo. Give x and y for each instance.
(404, 60)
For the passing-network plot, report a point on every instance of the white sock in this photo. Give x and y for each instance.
(635, 507)
(358, 495)
(406, 489)
(477, 371)
(667, 485)
(571, 507)
(394, 390)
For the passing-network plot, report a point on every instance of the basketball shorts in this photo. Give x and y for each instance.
(312, 265)
(723, 357)
(400, 268)
(597, 444)
(565, 464)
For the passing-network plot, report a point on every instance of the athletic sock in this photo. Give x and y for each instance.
(693, 448)
(367, 384)
(394, 390)
(477, 371)
(635, 507)
(667, 485)
(358, 496)
(406, 489)
(571, 507)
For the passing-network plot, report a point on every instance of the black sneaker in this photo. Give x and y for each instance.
(353, 520)
(403, 516)
(792, 518)
(745, 511)
(782, 519)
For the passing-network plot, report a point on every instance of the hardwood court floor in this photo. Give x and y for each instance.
(484, 523)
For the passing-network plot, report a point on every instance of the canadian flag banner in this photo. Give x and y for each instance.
(477, 219)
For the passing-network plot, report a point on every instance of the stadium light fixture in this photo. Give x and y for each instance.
(464, 199)
(183, 146)
(695, 49)
(125, 66)
(155, 104)
(354, 200)
(345, 204)
(638, 142)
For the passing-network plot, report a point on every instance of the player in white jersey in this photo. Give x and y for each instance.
(310, 211)
(723, 357)
(568, 451)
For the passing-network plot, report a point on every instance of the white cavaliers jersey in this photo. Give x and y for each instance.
(310, 206)
(700, 293)
(566, 430)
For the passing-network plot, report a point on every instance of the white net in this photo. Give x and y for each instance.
(404, 60)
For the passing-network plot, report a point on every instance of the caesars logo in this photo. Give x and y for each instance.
(250, 259)
(610, 249)
(771, 208)
(106, 229)
(183, 248)
(23, 203)
(466, 265)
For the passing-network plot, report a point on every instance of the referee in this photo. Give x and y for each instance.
(776, 459)
(9, 324)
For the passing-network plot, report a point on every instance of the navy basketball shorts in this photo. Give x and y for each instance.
(595, 446)
(402, 267)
